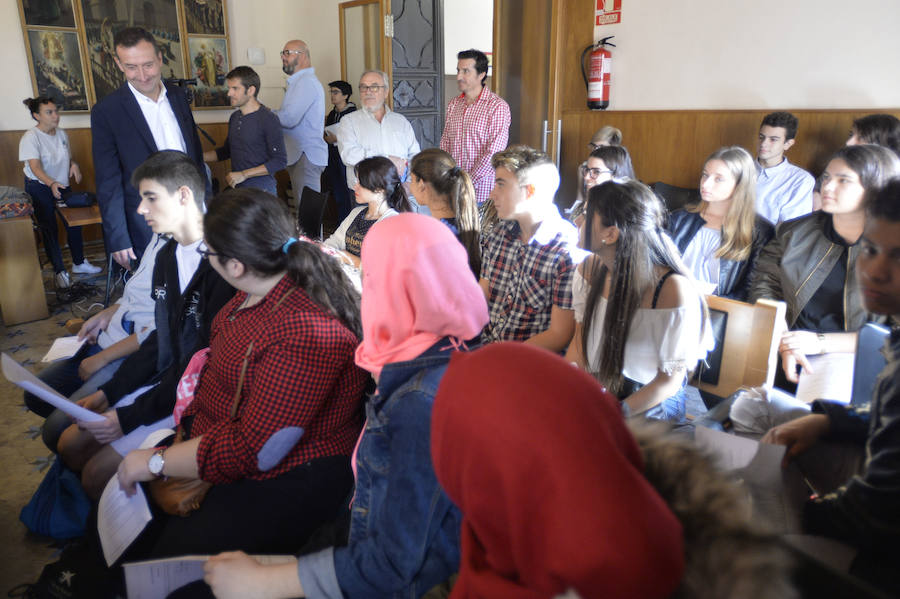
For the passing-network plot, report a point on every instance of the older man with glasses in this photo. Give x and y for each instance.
(376, 130)
(302, 116)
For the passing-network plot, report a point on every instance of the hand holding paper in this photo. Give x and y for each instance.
(17, 375)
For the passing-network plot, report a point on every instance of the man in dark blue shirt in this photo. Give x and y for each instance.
(255, 143)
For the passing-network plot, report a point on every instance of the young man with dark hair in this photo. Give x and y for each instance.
(143, 116)
(861, 510)
(783, 190)
(879, 129)
(477, 123)
(528, 258)
(255, 143)
(187, 293)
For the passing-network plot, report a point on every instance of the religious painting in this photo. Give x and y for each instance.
(209, 64)
(103, 19)
(204, 17)
(56, 68)
(48, 13)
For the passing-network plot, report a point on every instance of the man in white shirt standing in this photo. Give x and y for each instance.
(376, 130)
(140, 118)
(783, 190)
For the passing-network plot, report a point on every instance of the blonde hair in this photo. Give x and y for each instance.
(737, 229)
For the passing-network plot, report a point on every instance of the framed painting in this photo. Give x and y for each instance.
(209, 64)
(48, 13)
(204, 17)
(103, 19)
(57, 70)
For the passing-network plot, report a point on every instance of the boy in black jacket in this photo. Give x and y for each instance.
(187, 293)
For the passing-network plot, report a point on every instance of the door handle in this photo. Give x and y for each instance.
(545, 131)
(558, 141)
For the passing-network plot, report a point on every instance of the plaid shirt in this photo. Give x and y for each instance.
(300, 373)
(475, 132)
(526, 279)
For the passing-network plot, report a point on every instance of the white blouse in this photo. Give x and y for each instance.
(663, 339)
(700, 257)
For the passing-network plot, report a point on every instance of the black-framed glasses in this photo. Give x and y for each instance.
(205, 252)
(373, 88)
(593, 173)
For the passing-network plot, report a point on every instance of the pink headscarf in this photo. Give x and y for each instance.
(417, 288)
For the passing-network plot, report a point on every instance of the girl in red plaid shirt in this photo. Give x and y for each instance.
(280, 466)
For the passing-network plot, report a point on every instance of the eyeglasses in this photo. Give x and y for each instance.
(593, 173)
(289, 52)
(594, 146)
(371, 88)
(203, 250)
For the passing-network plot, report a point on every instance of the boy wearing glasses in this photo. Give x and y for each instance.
(187, 293)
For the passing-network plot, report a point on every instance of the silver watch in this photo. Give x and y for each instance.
(156, 462)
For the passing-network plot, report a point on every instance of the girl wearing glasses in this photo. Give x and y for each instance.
(275, 411)
(604, 163)
(721, 236)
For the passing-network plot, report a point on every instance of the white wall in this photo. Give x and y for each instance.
(467, 24)
(265, 25)
(763, 54)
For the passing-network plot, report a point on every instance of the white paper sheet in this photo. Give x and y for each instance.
(63, 347)
(831, 378)
(17, 375)
(777, 493)
(155, 579)
(120, 519)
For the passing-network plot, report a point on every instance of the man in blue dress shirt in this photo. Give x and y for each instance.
(302, 116)
(783, 190)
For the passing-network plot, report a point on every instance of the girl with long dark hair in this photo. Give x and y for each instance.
(635, 288)
(381, 193)
(447, 190)
(276, 408)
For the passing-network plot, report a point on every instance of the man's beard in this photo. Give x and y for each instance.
(373, 110)
(288, 69)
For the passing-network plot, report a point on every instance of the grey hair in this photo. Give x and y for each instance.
(384, 76)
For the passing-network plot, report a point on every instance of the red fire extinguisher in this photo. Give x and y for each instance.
(597, 81)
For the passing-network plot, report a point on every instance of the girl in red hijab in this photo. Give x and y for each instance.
(537, 457)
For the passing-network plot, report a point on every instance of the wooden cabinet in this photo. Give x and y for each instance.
(22, 296)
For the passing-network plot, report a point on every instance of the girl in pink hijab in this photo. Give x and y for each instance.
(420, 305)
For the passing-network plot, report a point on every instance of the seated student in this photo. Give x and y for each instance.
(404, 531)
(548, 504)
(447, 191)
(861, 510)
(878, 129)
(604, 163)
(635, 288)
(112, 334)
(810, 264)
(721, 237)
(783, 190)
(187, 292)
(283, 346)
(379, 190)
(528, 258)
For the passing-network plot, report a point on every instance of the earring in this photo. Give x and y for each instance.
(603, 241)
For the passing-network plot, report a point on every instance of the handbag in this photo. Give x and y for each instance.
(79, 199)
(179, 495)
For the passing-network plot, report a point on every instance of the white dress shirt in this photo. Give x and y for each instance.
(161, 120)
(362, 136)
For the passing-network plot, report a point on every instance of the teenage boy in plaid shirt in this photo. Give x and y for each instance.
(477, 123)
(530, 255)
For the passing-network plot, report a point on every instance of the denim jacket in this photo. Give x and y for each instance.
(404, 531)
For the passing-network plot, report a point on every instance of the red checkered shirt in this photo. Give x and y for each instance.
(526, 279)
(300, 373)
(475, 132)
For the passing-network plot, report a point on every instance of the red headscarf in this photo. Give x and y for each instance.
(537, 457)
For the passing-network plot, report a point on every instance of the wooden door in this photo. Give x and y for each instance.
(525, 69)
(417, 66)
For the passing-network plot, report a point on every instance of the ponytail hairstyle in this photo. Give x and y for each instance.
(34, 104)
(253, 227)
(737, 229)
(454, 186)
(378, 174)
(637, 213)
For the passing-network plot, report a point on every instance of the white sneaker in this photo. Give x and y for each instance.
(85, 268)
(62, 280)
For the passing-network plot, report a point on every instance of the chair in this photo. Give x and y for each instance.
(311, 212)
(675, 197)
(90, 215)
(747, 338)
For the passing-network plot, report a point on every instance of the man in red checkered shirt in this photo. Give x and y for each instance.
(477, 124)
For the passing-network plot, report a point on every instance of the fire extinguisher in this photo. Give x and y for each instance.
(597, 82)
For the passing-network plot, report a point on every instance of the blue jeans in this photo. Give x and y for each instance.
(45, 212)
(671, 409)
(264, 182)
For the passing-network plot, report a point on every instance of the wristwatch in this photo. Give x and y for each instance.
(156, 462)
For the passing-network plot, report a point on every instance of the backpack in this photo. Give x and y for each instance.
(59, 507)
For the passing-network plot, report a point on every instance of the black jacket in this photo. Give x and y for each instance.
(734, 275)
(183, 323)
